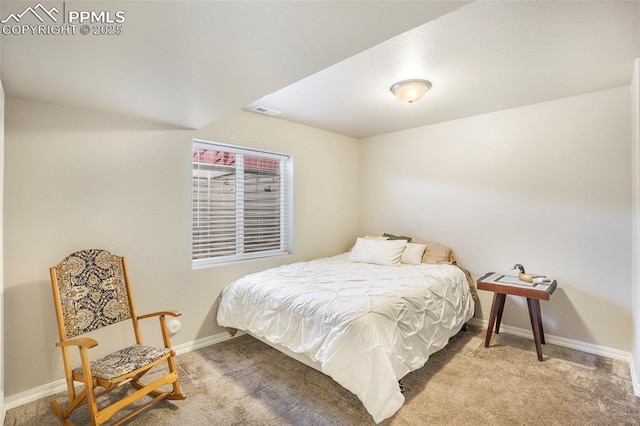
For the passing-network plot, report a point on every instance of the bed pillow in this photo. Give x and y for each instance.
(370, 237)
(438, 253)
(396, 237)
(378, 252)
(412, 254)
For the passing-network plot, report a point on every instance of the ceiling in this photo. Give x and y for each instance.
(323, 63)
(188, 63)
(483, 57)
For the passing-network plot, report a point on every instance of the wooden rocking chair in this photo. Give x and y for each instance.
(91, 290)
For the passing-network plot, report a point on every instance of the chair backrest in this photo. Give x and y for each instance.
(91, 286)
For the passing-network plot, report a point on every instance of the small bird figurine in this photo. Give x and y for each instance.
(530, 278)
(519, 267)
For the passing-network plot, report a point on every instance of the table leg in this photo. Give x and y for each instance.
(537, 306)
(492, 318)
(534, 315)
(501, 299)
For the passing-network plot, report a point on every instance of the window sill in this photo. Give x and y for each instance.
(228, 260)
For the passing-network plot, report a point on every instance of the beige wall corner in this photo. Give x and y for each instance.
(635, 246)
(2, 408)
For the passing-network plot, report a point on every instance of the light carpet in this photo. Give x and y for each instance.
(245, 382)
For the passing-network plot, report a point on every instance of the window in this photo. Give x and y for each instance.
(241, 203)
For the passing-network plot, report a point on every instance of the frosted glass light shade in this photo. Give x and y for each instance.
(410, 91)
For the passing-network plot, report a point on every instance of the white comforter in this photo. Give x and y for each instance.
(366, 325)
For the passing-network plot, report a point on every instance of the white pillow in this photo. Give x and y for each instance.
(412, 254)
(379, 252)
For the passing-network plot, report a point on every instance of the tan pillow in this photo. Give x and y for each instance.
(437, 253)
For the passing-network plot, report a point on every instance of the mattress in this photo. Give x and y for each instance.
(365, 325)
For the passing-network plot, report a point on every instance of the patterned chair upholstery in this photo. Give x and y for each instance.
(91, 290)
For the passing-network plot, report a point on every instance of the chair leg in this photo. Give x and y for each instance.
(176, 394)
(71, 406)
(93, 407)
(57, 410)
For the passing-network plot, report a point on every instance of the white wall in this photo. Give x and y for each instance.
(2, 410)
(545, 185)
(635, 255)
(77, 179)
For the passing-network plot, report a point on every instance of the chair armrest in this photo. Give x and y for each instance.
(160, 313)
(163, 325)
(83, 342)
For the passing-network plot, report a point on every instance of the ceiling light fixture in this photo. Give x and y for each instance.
(410, 91)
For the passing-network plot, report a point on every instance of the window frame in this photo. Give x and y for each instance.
(286, 203)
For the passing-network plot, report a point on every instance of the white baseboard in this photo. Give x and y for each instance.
(634, 377)
(572, 344)
(52, 388)
(204, 342)
(34, 394)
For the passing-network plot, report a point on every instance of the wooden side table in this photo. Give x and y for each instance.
(500, 286)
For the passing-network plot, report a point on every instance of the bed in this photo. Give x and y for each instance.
(366, 317)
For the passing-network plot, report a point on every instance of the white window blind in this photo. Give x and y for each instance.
(241, 203)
